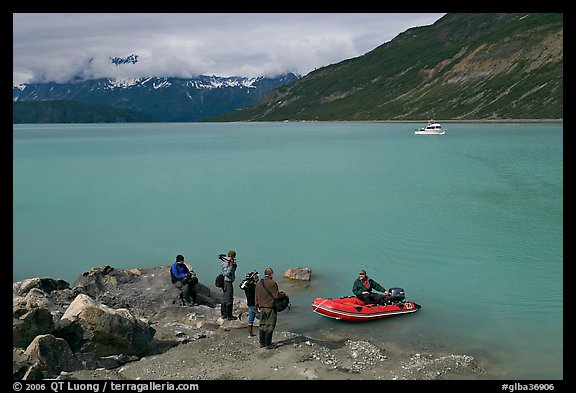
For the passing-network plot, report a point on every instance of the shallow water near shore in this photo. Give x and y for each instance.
(470, 224)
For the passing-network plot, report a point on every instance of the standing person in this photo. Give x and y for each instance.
(184, 278)
(229, 272)
(249, 287)
(266, 292)
(363, 287)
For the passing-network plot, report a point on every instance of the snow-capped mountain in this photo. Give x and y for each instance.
(166, 98)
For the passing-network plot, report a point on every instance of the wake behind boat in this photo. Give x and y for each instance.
(350, 308)
(432, 128)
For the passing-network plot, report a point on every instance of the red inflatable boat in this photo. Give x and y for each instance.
(351, 308)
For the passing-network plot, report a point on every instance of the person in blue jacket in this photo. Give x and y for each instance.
(184, 278)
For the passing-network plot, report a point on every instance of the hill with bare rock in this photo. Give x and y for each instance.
(463, 67)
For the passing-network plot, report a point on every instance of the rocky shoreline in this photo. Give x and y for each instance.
(116, 324)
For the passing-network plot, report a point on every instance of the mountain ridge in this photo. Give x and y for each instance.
(163, 98)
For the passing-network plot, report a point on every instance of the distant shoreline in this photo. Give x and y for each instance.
(496, 121)
(512, 121)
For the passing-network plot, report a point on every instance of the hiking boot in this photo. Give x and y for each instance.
(262, 338)
(230, 317)
(250, 333)
(268, 340)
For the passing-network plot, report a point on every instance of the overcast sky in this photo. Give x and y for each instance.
(58, 47)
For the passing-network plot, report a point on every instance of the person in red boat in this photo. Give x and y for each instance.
(363, 287)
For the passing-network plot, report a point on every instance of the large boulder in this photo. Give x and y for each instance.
(46, 285)
(102, 279)
(88, 325)
(47, 356)
(147, 290)
(298, 273)
(32, 323)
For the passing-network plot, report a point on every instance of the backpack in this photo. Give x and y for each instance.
(281, 302)
(219, 281)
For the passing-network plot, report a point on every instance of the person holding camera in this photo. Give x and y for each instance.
(184, 278)
(229, 272)
(248, 285)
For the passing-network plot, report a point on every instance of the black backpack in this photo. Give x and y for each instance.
(219, 282)
(281, 302)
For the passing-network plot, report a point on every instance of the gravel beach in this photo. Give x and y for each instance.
(229, 354)
(194, 343)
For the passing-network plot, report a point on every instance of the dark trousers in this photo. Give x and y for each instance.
(189, 292)
(228, 295)
(268, 318)
(373, 298)
(227, 300)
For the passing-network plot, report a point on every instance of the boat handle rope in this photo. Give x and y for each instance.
(324, 301)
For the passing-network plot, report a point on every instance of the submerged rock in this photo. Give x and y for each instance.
(298, 273)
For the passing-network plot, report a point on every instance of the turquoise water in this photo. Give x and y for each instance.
(470, 224)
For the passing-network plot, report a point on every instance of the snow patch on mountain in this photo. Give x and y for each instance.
(159, 85)
(122, 82)
(203, 82)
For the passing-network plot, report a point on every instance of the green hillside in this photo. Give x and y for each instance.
(464, 67)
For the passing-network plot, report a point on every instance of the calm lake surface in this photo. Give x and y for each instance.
(470, 224)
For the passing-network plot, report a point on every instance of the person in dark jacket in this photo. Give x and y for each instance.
(363, 287)
(229, 272)
(184, 278)
(249, 287)
(266, 292)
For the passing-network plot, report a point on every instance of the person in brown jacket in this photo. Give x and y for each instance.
(266, 292)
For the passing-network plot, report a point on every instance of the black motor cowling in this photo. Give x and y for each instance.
(396, 294)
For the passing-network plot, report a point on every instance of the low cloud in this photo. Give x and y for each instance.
(63, 47)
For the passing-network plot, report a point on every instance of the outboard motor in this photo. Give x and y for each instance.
(396, 294)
